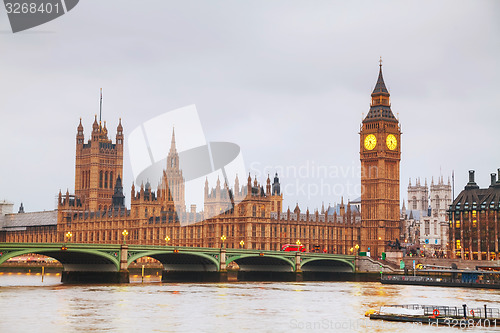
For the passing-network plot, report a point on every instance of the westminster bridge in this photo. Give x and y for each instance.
(110, 262)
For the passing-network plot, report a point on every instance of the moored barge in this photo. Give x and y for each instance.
(447, 278)
(437, 315)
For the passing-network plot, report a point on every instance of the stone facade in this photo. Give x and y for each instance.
(96, 212)
(256, 222)
(425, 222)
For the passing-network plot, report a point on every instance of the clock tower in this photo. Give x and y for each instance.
(380, 154)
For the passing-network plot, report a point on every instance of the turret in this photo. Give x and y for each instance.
(206, 188)
(276, 185)
(236, 185)
(95, 130)
(118, 197)
(268, 186)
(79, 134)
(119, 133)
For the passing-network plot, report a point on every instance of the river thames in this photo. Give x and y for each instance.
(29, 305)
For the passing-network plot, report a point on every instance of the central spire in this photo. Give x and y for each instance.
(173, 148)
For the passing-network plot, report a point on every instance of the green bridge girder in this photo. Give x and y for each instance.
(102, 253)
(111, 254)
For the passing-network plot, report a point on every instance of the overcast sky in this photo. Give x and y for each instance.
(288, 81)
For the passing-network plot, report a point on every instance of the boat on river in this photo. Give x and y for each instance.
(437, 315)
(447, 278)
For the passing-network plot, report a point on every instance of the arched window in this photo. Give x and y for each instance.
(437, 202)
(254, 210)
(100, 179)
(111, 179)
(106, 180)
(414, 199)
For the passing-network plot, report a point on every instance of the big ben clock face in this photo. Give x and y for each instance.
(370, 141)
(391, 142)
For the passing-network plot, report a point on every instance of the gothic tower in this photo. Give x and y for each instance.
(172, 186)
(380, 154)
(99, 163)
(418, 196)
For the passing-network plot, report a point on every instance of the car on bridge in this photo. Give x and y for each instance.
(317, 249)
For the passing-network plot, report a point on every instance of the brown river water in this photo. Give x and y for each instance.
(29, 305)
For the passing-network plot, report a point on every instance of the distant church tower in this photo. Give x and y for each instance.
(99, 163)
(380, 154)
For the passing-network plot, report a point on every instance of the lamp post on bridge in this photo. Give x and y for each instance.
(125, 234)
(242, 244)
(167, 239)
(68, 236)
(357, 249)
(223, 239)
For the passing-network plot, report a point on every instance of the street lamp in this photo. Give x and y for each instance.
(223, 239)
(125, 234)
(357, 248)
(167, 239)
(68, 236)
(242, 243)
(298, 242)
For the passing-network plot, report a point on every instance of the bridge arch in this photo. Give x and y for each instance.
(327, 265)
(181, 261)
(72, 259)
(263, 263)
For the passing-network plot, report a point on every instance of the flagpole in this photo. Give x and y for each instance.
(100, 112)
(453, 184)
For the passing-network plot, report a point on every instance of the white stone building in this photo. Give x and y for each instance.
(425, 221)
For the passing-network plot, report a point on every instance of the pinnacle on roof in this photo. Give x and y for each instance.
(380, 107)
(173, 149)
(95, 125)
(380, 87)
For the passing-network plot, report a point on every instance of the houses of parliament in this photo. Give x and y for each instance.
(96, 212)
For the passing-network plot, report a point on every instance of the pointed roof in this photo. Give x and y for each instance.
(95, 125)
(380, 108)
(380, 88)
(173, 149)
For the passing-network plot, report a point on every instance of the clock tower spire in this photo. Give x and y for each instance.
(380, 154)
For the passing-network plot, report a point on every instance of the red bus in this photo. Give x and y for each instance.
(293, 247)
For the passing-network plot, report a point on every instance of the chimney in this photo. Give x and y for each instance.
(493, 179)
(471, 184)
(193, 209)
